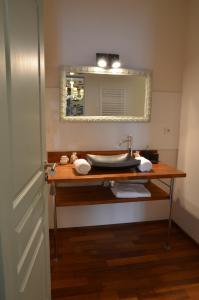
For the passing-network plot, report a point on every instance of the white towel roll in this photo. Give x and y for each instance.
(145, 164)
(82, 166)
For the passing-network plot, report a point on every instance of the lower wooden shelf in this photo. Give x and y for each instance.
(91, 195)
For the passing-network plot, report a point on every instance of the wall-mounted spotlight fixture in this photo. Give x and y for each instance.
(108, 60)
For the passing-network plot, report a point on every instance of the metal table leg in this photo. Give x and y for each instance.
(168, 242)
(53, 194)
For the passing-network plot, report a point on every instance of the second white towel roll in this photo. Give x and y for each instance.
(82, 166)
(145, 164)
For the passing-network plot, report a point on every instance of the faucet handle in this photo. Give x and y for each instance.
(128, 140)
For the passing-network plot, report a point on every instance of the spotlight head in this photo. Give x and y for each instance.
(115, 61)
(102, 60)
(116, 64)
(102, 63)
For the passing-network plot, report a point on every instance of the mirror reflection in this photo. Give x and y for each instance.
(95, 94)
(75, 105)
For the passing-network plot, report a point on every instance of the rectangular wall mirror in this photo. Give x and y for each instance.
(96, 94)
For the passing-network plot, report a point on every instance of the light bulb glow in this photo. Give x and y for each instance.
(102, 63)
(116, 64)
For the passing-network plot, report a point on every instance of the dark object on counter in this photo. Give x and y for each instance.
(112, 161)
(151, 155)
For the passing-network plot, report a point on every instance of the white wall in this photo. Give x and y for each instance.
(187, 210)
(146, 34)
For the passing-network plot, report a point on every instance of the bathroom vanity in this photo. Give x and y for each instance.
(102, 194)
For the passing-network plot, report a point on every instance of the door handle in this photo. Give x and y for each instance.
(50, 168)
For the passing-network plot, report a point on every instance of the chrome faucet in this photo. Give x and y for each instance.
(129, 141)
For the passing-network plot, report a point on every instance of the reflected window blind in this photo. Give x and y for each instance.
(112, 102)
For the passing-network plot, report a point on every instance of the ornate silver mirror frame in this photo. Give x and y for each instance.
(96, 70)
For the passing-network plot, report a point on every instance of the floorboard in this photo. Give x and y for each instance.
(124, 262)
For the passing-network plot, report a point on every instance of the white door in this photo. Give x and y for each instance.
(24, 244)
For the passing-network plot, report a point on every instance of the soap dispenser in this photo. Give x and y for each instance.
(73, 157)
(64, 160)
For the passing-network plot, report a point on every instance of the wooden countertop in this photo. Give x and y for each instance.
(67, 173)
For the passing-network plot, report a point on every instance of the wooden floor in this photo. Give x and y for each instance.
(125, 262)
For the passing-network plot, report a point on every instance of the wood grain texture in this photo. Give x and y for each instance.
(126, 261)
(67, 173)
(91, 195)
